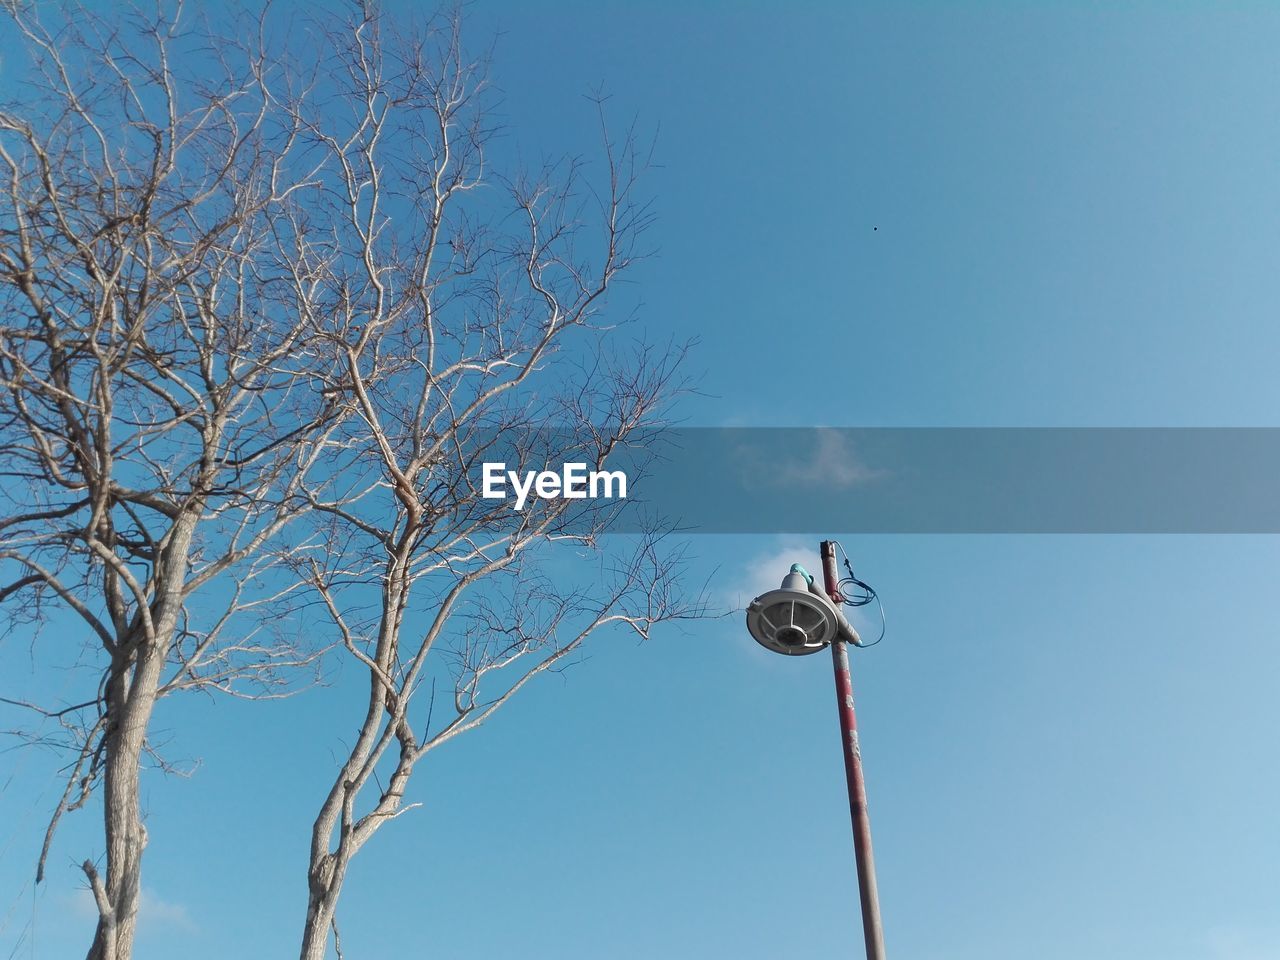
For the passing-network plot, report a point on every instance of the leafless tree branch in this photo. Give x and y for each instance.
(267, 322)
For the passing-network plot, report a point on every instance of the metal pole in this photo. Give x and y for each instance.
(872, 929)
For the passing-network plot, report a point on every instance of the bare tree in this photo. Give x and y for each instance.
(467, 309)
(264, 322)
(160, 412)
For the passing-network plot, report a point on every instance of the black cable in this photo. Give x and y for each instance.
(858, 593)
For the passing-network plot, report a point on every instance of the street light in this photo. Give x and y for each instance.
(801, 618)
(791, 619)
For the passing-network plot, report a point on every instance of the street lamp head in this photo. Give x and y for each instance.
(792, 619)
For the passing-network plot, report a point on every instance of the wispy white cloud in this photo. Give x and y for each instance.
(82, 906)
(154, 911)
(1244, 943)
(764, 571)
(834, 464)
(822, 457)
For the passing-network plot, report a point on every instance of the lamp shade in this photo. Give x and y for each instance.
(792, 620)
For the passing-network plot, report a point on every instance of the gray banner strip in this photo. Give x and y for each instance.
(943, 480)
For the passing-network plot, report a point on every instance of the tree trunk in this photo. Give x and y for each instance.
(134, 679)
(122, 812)
(322, 904)
(315, 936)
(126, 839)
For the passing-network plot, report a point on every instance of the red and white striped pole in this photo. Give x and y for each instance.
(872, 929)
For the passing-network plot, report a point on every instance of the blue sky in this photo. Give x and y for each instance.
(869, 214)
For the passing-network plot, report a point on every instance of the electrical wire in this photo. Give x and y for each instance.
(858, 593)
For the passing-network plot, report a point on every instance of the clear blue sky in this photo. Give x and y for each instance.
(870, 214)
